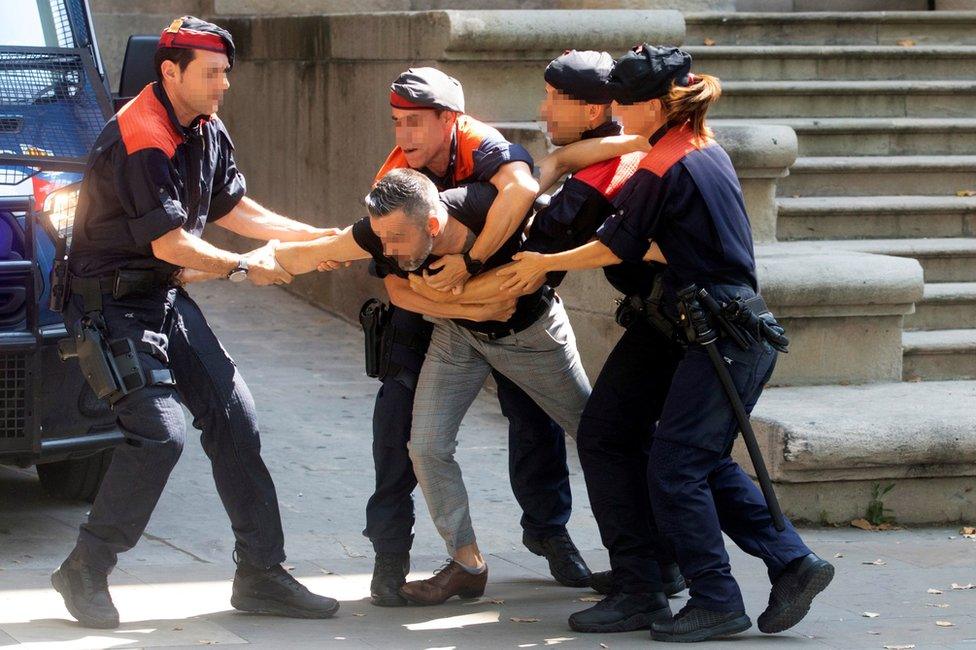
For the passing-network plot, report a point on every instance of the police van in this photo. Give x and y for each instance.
(54, 100)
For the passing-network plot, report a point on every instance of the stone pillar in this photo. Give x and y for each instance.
(761, 155)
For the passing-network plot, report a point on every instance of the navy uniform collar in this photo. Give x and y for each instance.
(185, 131)
(606, 129)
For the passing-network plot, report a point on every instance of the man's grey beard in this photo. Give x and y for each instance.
(415, 263)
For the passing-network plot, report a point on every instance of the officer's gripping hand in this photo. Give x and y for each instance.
(420, 286)
(263, 268)
(453, 274)
(526, 274)
(329, 265)
(500, 311)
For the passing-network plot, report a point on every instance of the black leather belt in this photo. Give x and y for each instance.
(541, 308)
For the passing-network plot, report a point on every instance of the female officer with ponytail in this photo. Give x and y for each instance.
(679, 220)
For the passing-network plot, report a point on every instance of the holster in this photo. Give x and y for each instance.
(111, 367)
(633, 308)
(374, 316)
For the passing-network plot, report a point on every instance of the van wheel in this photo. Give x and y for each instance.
(75, 479)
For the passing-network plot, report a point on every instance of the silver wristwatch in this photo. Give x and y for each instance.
(239, 274)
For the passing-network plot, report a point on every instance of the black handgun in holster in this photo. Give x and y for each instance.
(374, 316)
(111, 367)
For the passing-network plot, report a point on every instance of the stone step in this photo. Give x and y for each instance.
(865, 217)
(859, 136)
(943, 260)
(945, 305)
(826, 446)
(857, 62)
(879, 175)
(785, 99)
(939, 355)
(832, 28)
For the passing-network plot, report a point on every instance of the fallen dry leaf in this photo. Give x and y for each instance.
(870, 614)
(708, 41)
(939, 605)
(604, 645)
(968, 530)
(496, 601)
(873, 633)
(177, 629)
(590, 599)
(838, 555)
(907, 42)
(958, 586)
(900, 647)
(933, 591)
(966, 193)
(945, 624)
(358, 614)
(519, 619)
(863, 524)
(878, 562)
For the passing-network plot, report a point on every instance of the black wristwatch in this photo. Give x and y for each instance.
(473, 266)
(239, 274)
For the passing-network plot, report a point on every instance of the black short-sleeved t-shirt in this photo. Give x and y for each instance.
(468, 204)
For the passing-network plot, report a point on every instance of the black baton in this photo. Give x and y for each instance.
(700, 332)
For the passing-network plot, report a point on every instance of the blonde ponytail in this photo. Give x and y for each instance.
(690, 103)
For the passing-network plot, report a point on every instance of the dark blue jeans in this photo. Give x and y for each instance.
(209, 385)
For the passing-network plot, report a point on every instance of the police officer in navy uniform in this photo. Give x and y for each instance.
(425, 104)
(160, 170)
(681, 219)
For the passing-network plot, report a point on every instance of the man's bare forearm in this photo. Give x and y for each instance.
(180, 248)
(516, 194)
(253, 220)
(303, 257)
(404, 297)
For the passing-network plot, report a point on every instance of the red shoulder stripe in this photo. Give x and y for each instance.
(669, 150)
(145, 124)
(608, 176)
(470, 134)
(396, 160)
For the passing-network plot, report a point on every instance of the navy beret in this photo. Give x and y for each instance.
(427, 88)
(646, 73)
(582, 75)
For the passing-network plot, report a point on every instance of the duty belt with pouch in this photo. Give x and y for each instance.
(380, 337)
(111, 366)
(631, 309)
(744, 320)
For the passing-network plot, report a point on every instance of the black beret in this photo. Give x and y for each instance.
(427, 88)
(584, 75)
(646, 73)
(192, 33)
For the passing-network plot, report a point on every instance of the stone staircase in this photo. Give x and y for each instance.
(884, 107)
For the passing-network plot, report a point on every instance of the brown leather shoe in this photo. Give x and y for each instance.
(449, 580)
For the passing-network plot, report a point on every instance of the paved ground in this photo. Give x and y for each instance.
(305, 369)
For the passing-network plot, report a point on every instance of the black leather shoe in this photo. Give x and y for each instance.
(275, 591)
(674, 583)
(793, 591)
(389, 574)
(565, 563)
(622, 612)
(694, 624)
(85, 593)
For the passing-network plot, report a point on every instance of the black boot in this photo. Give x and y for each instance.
(275, 591)
(565, 563)
(622, 612)
(389, 574)
(85, 593)
(792, 592)
(674, 583)
(694, 624)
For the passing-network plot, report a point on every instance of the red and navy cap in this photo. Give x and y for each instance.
(584, 75)
(426, 88)
(191, 33)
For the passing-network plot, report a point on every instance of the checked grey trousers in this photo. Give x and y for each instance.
(542, 359)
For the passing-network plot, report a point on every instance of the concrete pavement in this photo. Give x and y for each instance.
(305, 369)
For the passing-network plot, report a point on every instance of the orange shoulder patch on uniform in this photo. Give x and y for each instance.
(670, 149)
(396, 160)
(145, 124)
(608, 176)
(470, 134)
